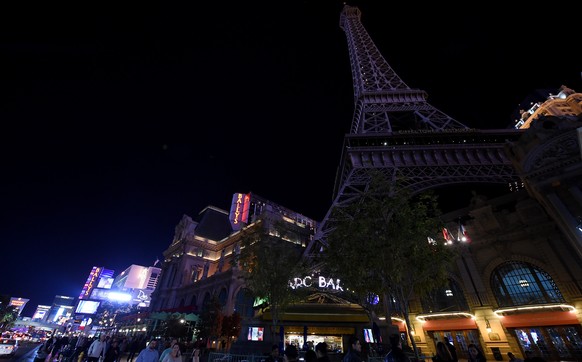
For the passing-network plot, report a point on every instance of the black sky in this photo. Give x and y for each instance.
(117, 121)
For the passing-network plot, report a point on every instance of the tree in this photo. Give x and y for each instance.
(384, 244)
(231, 326)
(8, 313)
(211, 317)
(268, 262)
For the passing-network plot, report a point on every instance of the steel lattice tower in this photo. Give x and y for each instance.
(396, 131)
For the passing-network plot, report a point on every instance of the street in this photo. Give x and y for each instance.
(25, 353)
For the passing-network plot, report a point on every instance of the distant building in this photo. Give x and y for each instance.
(19, 303)
(41, 312)
(61, 309)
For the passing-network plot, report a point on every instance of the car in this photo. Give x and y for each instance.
(8, 346)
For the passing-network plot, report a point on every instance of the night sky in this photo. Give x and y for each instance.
(117, 121)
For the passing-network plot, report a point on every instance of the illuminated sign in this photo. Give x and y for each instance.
(105, 279)
(255, 333)
(239, 210)
(90, 283)
(87, 307)
(18, 303)
(320, 282)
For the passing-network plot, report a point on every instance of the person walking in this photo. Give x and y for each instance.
(134, 348)
(150, 353)
(321, 351)
(443, 354)
(475, 354)
(396, 354)
(354, 351)
(97, 349)
(291, 354)
(175, 354)
(452, 349)
(274, 356)
(310, 356)
(113, 353)
(168, 349)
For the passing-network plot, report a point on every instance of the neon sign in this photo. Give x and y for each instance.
(320, 282)
(90, 283)
(239, 210)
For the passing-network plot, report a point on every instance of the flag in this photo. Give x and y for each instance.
(157, 261)
(464, 235)
(447, 235)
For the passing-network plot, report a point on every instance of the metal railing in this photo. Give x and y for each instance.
(228, 357)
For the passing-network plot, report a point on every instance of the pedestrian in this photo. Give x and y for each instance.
(396, 353)
(354, 350)
(310, 356)
(196, 355)
(113, 353)
(321, 351)
(150, 353)
(291, 354)
(475, 354)
(452, 349)
(274, 355)
(97, 349)
(168, 349)
(443, 354)
(175, 354)
(134, 348)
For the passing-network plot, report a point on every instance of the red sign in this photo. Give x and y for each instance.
(239, 210)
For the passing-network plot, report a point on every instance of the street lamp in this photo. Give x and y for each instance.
(189, 326)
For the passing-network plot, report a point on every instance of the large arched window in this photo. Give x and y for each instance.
(206, 299)
(222, 297)
(517, 283)
(244, 303)
(449, 298)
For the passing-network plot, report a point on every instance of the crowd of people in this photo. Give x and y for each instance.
(105, 348)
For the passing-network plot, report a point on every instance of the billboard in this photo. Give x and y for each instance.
(105, 279)
(87, 307)
(137, 277)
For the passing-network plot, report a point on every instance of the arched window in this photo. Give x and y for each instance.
(449, 298)
(206, 300)
(517, 283)
(244, 303)
(222, 297)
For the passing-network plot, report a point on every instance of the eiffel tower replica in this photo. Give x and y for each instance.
(397, 132)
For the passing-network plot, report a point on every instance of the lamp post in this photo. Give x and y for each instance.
(188, 325)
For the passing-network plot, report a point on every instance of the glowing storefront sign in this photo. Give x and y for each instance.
(239, 210)
(322, 282)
